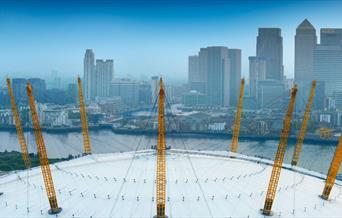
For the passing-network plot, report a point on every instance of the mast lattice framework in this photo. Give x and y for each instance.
(278, 161)
(83, 115)
(161, 152)
(20, 133)
(333, 171)
(305, 121)
(43, 159)
(236, 132)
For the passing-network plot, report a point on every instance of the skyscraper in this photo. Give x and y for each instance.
(305, 42)
(104, 77)
(196, 78)
(328, 68)
(331, 36)
(270, 47)
(214, 63)
(89, 74)
(193, 69)
(235, 75)
(257, 72)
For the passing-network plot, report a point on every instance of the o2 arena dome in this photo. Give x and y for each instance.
(198, 184)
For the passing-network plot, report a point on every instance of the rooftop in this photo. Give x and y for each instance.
(199, 184)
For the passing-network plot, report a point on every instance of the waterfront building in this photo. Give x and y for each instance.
(193, 99)
(112, 106)
(270, 46)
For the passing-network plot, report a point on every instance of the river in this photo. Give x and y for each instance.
(314, 156)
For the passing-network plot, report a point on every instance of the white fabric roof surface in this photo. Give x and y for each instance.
(199, 184)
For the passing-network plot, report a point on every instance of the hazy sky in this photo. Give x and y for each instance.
(144, 37)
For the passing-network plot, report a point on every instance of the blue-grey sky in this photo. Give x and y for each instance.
(144, 37)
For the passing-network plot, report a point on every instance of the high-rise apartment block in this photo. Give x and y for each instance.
(104, 76)
(97, 77)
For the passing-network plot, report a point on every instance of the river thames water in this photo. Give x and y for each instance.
(315, 157)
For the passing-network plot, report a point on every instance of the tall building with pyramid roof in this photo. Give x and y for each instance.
(305, 41)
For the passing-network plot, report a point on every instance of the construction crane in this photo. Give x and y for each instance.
(302, 132)
(235, 139)
(333, 171)
(83, 115)
(43, 159)
(278, 161)
(161, 150)
(20, 133)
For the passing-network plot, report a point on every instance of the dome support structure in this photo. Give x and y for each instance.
(333, 171)
(43, 158)
(83, 115)
(161, 153)
(278, 161)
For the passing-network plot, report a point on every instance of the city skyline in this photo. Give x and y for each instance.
(119, 30)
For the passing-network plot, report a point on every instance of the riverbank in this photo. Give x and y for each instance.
(12, 160)
(309, 138)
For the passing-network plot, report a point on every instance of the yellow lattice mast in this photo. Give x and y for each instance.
(278, 161)
(161, 149)
(333, 170)
(302, 132)
(20, 133)
(83, 114)
(235, 139)
(43, 159)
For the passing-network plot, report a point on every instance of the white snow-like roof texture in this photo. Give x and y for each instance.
(199, 184)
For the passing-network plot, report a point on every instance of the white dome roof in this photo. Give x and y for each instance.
(199, 184)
